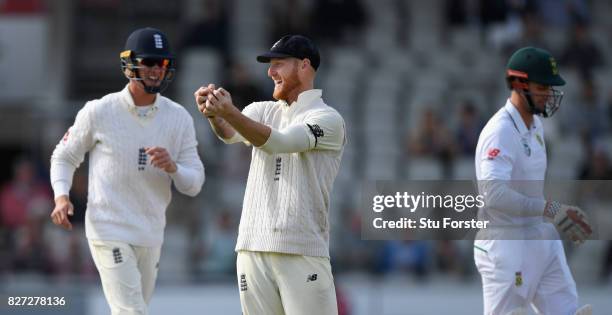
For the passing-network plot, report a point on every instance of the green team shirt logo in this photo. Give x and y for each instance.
(518, 279)
(553, 65)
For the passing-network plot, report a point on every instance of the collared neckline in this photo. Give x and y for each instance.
(131, 106)
(517, 120)
(306, 98)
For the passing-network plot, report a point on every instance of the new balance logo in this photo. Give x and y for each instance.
(312, 277)
(117, 255)
(243, 283)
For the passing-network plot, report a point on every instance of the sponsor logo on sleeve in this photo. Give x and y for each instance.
(65, 138)
(317, 132)
(492, 153)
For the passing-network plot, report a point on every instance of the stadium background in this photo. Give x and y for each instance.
(414, 80)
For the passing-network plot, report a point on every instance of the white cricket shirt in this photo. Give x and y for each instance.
(510, 168)
(127, 196)
(287, 198)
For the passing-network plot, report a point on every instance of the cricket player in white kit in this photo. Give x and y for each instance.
(139, 143)
(283, 262)
(521, 257)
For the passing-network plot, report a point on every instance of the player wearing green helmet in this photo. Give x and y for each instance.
(520, 256)
(532, 73)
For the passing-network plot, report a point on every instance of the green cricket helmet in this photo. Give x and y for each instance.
(530, 64)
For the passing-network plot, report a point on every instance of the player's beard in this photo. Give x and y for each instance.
(539, 101)
(290, 84)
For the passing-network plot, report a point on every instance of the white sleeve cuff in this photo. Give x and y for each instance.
(538, 203)
(61, 177)
(181, 175)
(186, 180)
(61, 188)
(499, 195)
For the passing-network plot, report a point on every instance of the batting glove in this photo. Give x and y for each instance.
(569, 220)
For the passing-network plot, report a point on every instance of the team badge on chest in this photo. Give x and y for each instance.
(518, 279)
(526, 147)
(539, 140)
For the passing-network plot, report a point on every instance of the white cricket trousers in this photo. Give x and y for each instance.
(279, 284)
(519, 273)
(127, 273)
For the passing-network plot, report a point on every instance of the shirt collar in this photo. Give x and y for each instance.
(131, 107)
(309, 96)
(305, 98)
(517, 119)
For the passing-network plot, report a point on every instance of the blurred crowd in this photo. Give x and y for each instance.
(29, 243)
(444, 133)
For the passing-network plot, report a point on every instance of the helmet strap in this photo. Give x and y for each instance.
(135, 76)
(149, 89)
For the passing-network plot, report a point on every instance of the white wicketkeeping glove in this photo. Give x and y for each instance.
(569, 220)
